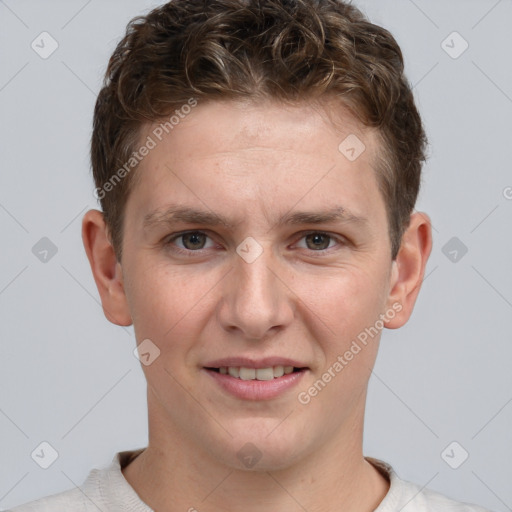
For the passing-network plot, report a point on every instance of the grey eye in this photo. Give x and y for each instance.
(193, 240)
(318, 241)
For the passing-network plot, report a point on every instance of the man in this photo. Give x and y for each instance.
(257, 165)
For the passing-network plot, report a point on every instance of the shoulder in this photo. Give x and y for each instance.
(73, 499)
(419, 500)
(103, 489)
(410, 497)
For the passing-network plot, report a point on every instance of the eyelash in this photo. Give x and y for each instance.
(190, 253)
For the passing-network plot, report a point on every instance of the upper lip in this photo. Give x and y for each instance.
(248, 362)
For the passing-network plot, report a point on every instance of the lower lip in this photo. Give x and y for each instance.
(256, 389)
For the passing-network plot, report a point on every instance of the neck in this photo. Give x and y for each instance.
(171, 475)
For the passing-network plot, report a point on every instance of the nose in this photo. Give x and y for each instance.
(256, 301)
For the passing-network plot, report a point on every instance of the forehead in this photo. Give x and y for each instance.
(262, 124)
(270, 153)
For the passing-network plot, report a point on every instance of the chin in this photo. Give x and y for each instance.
(251, 451)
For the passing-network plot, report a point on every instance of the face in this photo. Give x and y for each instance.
(252, 245)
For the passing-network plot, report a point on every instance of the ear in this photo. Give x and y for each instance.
(106, 269)
(408, 269)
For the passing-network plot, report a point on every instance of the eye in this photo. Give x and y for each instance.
(319, 241)
(190, 241)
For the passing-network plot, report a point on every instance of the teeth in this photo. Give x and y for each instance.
(265, 373)
(234, 371)
(278, 371)
(247, 373)
(244, 373)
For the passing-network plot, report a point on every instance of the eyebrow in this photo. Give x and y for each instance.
(336, 214)
(178, 213)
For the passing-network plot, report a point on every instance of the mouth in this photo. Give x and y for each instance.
(262, 374)
(247, 379)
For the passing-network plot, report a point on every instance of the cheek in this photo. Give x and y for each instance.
(347, 331)
(347, 300)
(168, 304)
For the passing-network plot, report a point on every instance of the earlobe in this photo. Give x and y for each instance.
(106, 269)
(409, 268)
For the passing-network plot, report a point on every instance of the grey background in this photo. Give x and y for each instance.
(69, 378)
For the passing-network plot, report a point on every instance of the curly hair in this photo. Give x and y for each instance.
(289, 50)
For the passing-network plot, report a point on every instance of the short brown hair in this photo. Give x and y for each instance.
(289, 50)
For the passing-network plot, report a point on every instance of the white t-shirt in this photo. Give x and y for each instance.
(107, 490)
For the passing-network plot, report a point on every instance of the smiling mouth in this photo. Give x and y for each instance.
(245, 373)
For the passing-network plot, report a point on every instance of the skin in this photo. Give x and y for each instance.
(252, 163)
